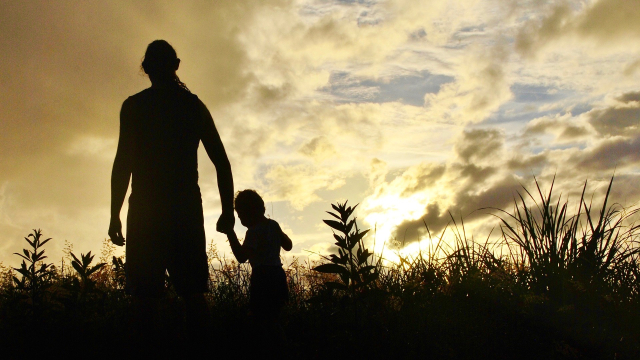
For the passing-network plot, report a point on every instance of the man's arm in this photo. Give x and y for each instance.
(121, 173)
(215, 149)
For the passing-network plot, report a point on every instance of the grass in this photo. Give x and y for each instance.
(567, 287)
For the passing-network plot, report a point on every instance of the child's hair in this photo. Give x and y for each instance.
(249, 200)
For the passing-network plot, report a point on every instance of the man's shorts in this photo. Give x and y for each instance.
(161, 239)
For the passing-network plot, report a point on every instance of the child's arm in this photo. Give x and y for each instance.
(242, 253)
(285, 242)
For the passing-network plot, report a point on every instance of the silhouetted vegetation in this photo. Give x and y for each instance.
(555, 286)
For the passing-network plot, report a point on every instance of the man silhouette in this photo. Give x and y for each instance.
(160, 131)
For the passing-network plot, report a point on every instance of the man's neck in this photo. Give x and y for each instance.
(161, 85)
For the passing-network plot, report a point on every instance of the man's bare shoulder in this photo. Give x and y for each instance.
(138, 96)
(135, 100)
(202, 108)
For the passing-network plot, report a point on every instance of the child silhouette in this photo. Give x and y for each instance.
(268, 287)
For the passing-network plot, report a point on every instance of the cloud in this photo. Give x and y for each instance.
(629, 97)
(616, 120)
(428, 192)
(538, 32)
(610, 20)
(616, 152)
(319, 149)
(607, 22)
(565, 128)
(621, 116)
(377, 173)
(407, 88)
(631, 68)
(298, 183)
(487, 171)
(440, 20)
(421, 177)
(527, 163)
(498, 196)
(618, 116)
(277, 152)
(480, 88)
(479, 145)
(92, 146)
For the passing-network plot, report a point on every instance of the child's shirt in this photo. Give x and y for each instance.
(265, 239)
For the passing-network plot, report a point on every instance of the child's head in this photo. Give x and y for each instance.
(249, 206)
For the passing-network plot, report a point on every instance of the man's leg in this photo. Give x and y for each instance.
(197, 321)
(189, 272)
(144, 328)
(197, 316)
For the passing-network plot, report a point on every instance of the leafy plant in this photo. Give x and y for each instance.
(118, 272)
(83, 267)
(353, 263)
(35, 273)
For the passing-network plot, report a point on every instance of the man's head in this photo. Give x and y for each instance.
(161, 63)
(249, 206)
(160, 60)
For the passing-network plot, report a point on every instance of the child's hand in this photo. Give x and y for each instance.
(225, 222)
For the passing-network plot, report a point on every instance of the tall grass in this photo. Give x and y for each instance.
(592, 250)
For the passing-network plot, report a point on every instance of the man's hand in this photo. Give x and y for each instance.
(226, 222)
(115, 232)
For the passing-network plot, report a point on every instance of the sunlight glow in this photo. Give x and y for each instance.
(384, 214)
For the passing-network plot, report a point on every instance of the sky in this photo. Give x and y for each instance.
(416, 110)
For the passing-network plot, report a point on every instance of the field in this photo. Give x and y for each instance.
(568, 287)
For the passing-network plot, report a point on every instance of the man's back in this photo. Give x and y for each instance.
(166, 133)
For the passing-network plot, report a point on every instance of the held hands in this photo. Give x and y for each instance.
(115, 232)
(226, 222)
